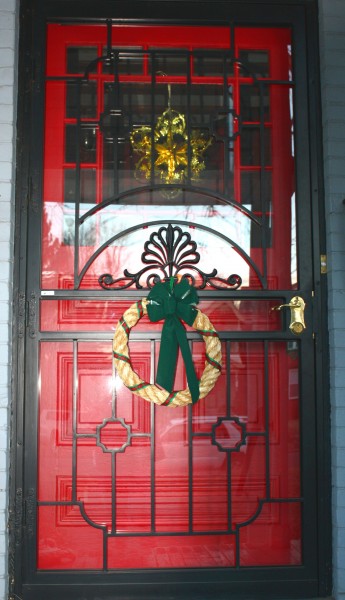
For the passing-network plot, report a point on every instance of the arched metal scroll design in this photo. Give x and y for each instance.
(120, 197)
(170, 253)
(170, 250)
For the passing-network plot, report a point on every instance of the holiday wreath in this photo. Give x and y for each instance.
(173, 302)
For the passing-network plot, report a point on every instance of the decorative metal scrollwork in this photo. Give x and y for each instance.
(170, 252)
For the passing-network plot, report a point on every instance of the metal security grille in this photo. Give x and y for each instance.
(164, 145)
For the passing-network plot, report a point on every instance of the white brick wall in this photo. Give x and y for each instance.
(332, 56)
(8, 60)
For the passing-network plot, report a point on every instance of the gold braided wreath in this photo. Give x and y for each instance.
(151, 392)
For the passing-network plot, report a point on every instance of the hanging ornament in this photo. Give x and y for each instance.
(169, 150)
(173, 303)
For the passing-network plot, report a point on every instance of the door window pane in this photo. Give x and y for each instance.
(79, 58)
(223, 141)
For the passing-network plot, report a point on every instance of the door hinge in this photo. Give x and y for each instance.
(31, 316)
(31, 202)
(323, 264)
(30, 512)
(21, 314)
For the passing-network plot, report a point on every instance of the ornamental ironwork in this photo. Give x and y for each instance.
(170, 252)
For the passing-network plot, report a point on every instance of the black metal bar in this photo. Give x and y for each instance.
(226, 137)
(153, 117)
(228, 414)
(105, 550)
(126, 294)
(117, 95)
(263, 177)
(145, 189)
(189, 116)
(237, 548)
(267, 418)
(74, 419)
(77, 187)
(190, 469)
(153, 440)
(113, 492)
(146, 336)
(109, 39)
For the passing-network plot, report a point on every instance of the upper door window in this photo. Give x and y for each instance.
(157, 124)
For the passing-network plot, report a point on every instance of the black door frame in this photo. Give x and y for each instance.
(285, 582)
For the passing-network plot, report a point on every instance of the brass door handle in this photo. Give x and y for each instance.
(296, 306)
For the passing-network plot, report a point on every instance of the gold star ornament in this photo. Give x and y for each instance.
(168, 155)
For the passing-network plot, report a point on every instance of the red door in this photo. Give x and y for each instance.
(125, 486)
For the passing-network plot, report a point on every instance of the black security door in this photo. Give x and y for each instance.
(169, 145)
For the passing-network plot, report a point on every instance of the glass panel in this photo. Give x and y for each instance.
(256, 189)
(108, 458)
(231, 458)
(255, 62)
(89, 315)
(169, 64)
(129, 61)
(212, 64)
(66, 541)
(87, 97)
(87, 236)
(274, 538)
(168, 552)
(79, 58)
(284, 421)
(87, 186)
(252, 104)
(227, 161)
(87, 140)
(251, 146)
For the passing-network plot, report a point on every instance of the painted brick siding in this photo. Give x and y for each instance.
(332, 57)
(8, 60)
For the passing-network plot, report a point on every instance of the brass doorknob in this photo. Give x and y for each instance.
(296, 306)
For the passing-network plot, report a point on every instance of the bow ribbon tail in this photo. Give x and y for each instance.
(174, 336)
(167, 360)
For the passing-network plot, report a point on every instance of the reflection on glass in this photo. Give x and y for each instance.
(256, 189)
(294, 279)
(239, 165)
(125, 61)
(83, 101)
(255, 62)
(82, 146)
(212, 64)
(79, 58)
(168, 64)
(226, 459)
(251, 151)
(90, 315)
(87, 235)
(253, 106)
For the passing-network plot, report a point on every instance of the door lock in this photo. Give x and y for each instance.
(296, 306)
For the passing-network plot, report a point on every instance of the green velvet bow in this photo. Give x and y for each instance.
(173, 302)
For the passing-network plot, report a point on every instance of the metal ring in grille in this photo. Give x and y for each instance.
(151, 392)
